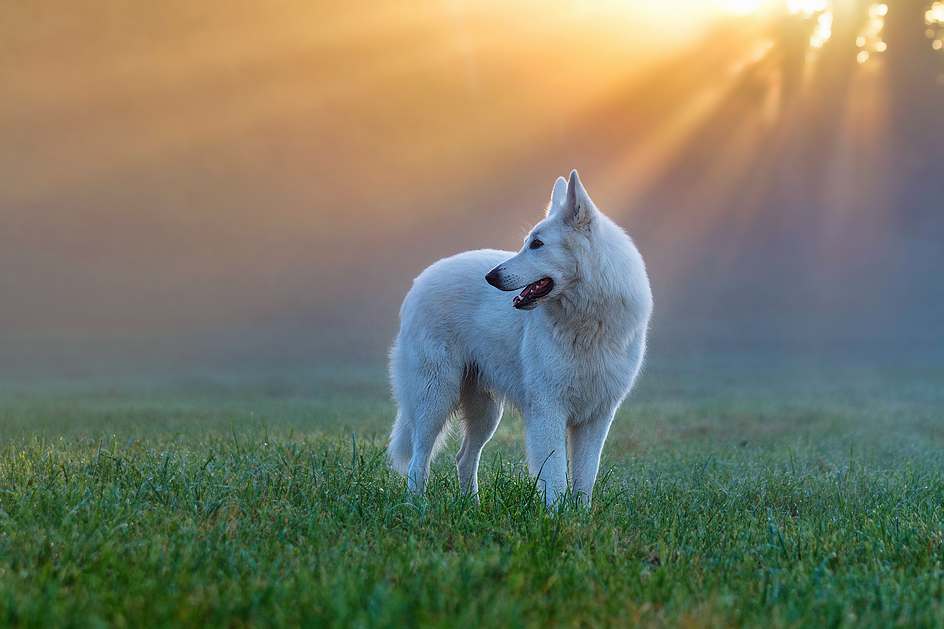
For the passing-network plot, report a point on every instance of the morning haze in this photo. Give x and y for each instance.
(221, 186)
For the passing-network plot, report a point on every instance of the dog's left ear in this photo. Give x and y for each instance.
(578, 209)
(558, 195)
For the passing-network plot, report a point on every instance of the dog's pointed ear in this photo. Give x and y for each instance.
(577, 208)
(557, 196)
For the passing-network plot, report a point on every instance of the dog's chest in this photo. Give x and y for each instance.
(586, 366)
(595, 375)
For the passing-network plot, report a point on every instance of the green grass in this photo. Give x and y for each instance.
(739, 500)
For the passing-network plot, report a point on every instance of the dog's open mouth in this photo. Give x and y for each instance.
(528, 298)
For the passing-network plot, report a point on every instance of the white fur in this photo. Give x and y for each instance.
(567, 364)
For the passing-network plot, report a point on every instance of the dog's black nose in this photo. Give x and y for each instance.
(492, 277)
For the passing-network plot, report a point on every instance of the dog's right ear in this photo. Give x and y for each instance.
(558, 196)
(577, 210)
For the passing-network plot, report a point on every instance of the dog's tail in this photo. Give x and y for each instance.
(400, 449)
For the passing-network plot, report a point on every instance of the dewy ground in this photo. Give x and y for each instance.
(736, 496)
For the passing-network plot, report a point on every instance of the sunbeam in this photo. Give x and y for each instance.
(198, 165)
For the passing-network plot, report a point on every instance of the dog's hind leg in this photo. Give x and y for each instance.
(426, 379)
(584, 445)
(429, 432)
(440, 399)
(481, 413)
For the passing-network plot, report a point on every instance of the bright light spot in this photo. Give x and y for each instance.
(935, 15)
(936, 44)
(862, 56)
(740, 7)
(872, 36)
(929, 33)
(809, 7)
(822, 30)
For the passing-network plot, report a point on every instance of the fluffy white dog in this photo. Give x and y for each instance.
(565, 350)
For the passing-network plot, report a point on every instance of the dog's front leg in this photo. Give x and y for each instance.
(585, 445)
(546, 439)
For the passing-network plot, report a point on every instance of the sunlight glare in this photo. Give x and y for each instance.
(935, 15)
(872, 39)
(876, 20)
(808, 7)
(740, 7)
(822, 31)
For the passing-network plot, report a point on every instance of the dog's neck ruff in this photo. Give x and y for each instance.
(606, 304)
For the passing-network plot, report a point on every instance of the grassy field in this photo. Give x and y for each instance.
(747, 497)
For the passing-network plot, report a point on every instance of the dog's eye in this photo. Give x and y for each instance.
(536, 244)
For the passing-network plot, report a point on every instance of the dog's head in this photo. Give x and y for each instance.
(547, 264)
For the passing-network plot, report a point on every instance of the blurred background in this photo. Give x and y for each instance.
(190, 188)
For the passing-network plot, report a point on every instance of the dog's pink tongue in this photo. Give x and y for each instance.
(527, 289)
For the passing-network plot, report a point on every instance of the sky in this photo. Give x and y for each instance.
(218, 170)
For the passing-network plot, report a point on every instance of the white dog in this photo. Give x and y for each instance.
(565, 351)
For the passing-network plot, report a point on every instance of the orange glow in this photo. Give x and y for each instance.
(185, 161)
